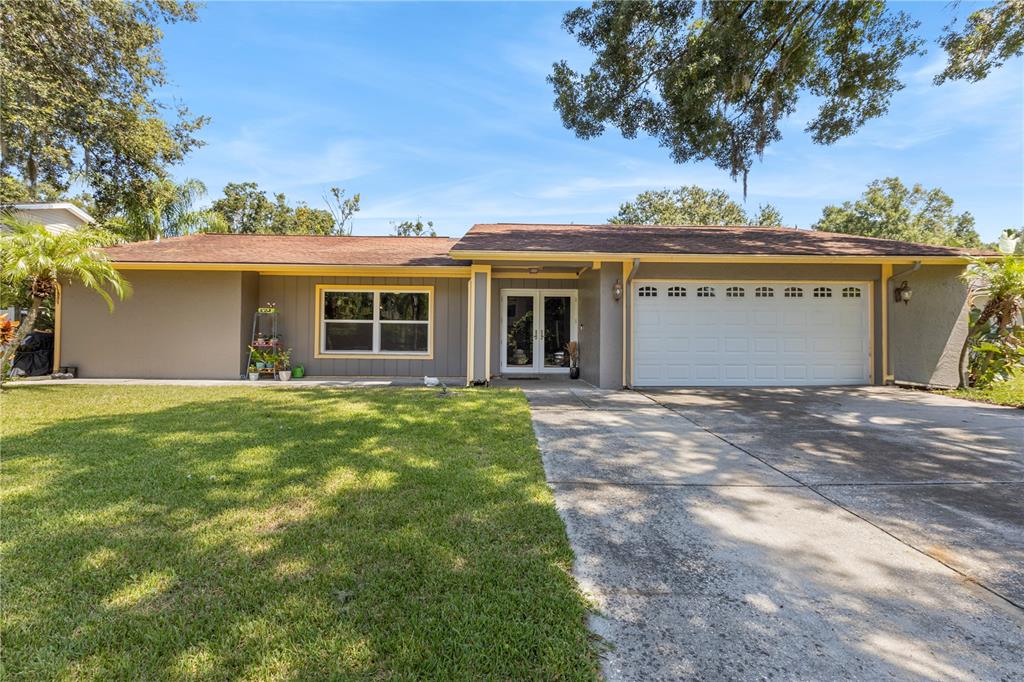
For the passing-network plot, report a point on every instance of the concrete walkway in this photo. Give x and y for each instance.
(304, 382)
(792, 533)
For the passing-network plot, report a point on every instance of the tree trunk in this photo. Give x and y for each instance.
(962, 364)
(24, 329)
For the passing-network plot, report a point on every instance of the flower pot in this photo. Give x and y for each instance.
(299, 372)
(284, 375)
(574, 372)
(261, 365)
(254, 376)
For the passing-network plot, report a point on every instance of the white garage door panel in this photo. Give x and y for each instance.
(737, 338)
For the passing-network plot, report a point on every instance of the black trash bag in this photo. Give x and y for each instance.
(35, 355)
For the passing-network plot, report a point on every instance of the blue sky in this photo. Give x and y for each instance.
(442, 111)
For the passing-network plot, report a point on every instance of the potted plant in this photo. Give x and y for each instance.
(284, 364)
(258, 358)
(269, 360)
(572, 349)
(254, 374)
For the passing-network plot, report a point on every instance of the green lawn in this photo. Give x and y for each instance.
(1001, 393)
(154, 532)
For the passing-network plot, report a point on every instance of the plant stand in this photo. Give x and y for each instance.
(264, 317)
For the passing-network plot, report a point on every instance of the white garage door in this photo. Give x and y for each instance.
(750, 333)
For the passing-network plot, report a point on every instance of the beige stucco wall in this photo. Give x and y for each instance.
(175, 325)
(601, 322)
(250, 293)
(926, 334)
(296, 299)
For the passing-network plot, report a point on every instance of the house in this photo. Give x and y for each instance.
(59, 216)
(649, 306)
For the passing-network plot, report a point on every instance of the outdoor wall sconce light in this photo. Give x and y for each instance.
(903, 292)
(617, 290)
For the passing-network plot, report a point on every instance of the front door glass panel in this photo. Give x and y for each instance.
(557, 328)
(519, 331)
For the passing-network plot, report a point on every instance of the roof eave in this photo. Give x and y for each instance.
(455, 270)
(59, 205)
(468, 254)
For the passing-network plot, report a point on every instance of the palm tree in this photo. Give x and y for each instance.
(33, 257)
(166, 209)
(1002, 283)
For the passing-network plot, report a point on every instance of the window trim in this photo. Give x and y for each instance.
(377, 289)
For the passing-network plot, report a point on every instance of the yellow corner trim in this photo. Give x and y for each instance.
(57, 310)
(886, 275)
(321, 354)
(487, 328)
(471, 314)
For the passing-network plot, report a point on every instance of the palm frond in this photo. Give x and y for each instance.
(29, 251)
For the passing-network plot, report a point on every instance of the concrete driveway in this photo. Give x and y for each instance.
(792, 533)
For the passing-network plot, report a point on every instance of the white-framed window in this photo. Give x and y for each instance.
(647, 292)
(764, 292)
(735, 292)
(822, 292)
(705, 292)
(793, 292)
(374, 321)
(677, 292)
(851, 292)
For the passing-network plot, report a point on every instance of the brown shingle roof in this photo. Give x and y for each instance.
(686, 239)
(290, 250)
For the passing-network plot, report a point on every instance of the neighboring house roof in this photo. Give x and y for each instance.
(52, 206)
(684, 240)
(259, 249)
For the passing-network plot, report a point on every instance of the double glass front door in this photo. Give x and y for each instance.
(538, 325)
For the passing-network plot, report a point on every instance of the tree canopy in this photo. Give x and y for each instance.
(713, 80)
(414, 228)
(245, 209)
(77, 82)
(691, 205)
(991, 37)
(890, 210)
(164, 208)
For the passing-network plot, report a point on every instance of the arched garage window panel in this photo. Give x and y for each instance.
(705, 292)
(677, 292)
(793, 292)
(851, 292)
(764, 292)
(647, 292)
(735, 292)
(822, 292)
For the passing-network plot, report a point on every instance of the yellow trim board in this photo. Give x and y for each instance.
(471, 313)
(507, 274)
(884, 287)
(487, 329)
(627, 323)
(307, 270)
(698, 258)
(57, 310)
(363, 355)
